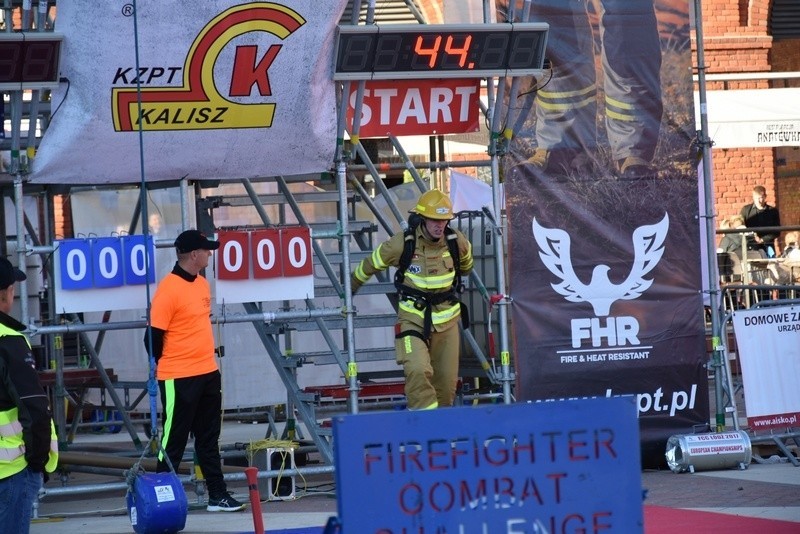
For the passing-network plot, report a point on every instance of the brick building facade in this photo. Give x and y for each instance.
(737, 40)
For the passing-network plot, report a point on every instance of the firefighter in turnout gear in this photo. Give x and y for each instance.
(566, 106)
(431, 257)
(28, 442)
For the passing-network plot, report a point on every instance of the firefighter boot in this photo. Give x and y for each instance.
(634, 167)
(565, 161)
(539, 159)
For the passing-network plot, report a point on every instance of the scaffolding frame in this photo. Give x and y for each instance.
(269, 326)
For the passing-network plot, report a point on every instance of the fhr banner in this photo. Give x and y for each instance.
(265, 265)
(103, 273)
(220, 90)
(602, 198)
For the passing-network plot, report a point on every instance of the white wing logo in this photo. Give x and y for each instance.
(600, 292)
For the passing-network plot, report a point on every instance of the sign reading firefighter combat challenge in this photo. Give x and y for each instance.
(565, 466)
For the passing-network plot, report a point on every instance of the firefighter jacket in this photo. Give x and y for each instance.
(27, 433)
(432, 271)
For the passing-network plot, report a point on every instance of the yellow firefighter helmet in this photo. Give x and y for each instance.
(434, 204)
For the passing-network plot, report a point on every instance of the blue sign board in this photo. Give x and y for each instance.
(138, 256)
(76, 263)
(106, 262)
(106, 265)
(564, 466)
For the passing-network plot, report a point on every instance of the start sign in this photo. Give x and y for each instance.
(417, 107)
(265, 265)
(563, 466)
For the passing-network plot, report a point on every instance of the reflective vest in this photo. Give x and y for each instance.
(12, 443)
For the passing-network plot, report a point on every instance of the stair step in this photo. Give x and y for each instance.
(362, 355)
(365, 321)
(372, 288)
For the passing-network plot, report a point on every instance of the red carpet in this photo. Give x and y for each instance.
(663, 520)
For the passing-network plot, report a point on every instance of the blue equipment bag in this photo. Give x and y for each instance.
(157, 503)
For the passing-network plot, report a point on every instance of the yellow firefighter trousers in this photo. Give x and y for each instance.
(431, 372)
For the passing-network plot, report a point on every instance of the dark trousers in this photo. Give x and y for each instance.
(193, 405)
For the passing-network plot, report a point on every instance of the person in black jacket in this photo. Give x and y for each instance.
(759, 214)
(28, 443)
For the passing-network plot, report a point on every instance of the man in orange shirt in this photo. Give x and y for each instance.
(187, 372)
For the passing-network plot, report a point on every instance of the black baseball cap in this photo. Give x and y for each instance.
(194, 240)
(9, 274)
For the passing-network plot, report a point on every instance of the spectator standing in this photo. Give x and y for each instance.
(28, 442)
(188, 375)
(759, 214)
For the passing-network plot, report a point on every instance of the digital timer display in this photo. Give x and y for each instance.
(29, 60)
(439, 51)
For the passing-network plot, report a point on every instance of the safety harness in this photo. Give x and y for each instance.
(426, 300)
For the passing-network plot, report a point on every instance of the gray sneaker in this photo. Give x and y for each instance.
(224, 503)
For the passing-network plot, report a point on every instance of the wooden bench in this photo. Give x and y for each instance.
(76, 377)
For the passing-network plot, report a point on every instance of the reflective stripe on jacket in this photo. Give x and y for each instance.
(12, 441)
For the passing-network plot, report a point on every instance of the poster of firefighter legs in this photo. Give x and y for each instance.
(602, 196)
